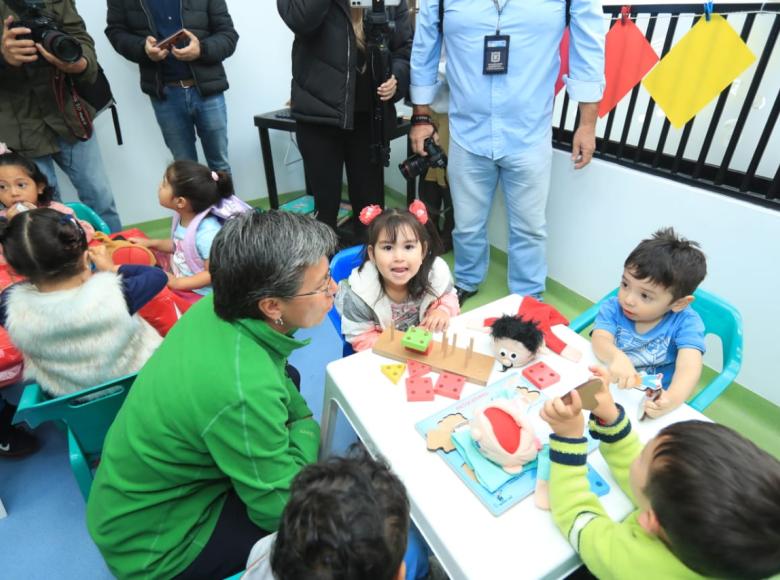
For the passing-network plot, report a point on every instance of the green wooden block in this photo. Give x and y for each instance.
(417, 339)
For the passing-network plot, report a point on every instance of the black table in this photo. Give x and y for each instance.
(281, 120)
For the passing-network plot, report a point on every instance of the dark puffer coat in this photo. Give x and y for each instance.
(324, 59)
(130, 22)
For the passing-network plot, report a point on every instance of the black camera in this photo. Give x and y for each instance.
(46, 31)
(417, 164)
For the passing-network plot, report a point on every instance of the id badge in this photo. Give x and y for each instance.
(496, 58)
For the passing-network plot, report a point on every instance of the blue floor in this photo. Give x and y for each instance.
(45, 536)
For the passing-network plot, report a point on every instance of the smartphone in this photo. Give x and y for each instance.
(166, 43)
(369, 3)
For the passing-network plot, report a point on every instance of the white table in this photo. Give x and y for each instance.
(467, 539)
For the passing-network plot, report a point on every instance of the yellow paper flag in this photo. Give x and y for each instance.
(697, 69)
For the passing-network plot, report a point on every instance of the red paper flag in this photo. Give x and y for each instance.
(629, 57)
(564, 70)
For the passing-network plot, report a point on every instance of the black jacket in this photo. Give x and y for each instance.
(324, 59)
(130, 22)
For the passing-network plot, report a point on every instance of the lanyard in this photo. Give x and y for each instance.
(499, 9)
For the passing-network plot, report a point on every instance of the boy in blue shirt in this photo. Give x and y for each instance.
(649, 326)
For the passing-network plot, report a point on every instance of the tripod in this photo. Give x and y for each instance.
(377, 28)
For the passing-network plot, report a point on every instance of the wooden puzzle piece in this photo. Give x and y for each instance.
(587, 392)
(419, 389)
(441, 436)
(449, 385)
(417, 339)
(470, 472)
(540, 375)
(530, 394)
(417, 369)
(393, 371)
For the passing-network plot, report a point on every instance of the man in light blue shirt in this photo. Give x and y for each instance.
(502, 63)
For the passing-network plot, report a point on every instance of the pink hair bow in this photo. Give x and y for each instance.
(4, 148)
(369, 213)
(418, 210)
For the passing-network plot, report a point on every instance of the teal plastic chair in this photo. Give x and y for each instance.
(341, 267)
(87, 420)
(87, 214)
(720, 318)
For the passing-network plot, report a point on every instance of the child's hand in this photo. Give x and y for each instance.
(565, 420)
(622, 371)
(14, 210)
(606, 410)
(173, 281)
(99, 256)
(661, 406)
(437, 320)
(143, 242)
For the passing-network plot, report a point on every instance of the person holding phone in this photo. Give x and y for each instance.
(179, 48)
(332, 97)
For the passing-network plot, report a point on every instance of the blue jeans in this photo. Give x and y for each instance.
(82, 163)
(184, 111)
(525, 181)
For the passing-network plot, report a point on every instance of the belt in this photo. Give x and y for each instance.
(184, 83)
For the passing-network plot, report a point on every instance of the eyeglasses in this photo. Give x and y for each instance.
(324, 290)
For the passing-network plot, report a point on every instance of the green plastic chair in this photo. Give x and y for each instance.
(720, 318)
(87, 420)
(87, 214)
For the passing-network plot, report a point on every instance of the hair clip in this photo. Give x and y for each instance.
(418, 210)
(4, 149)
(214, 176)
(369, 213)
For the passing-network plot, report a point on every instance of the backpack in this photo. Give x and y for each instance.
(223, 210)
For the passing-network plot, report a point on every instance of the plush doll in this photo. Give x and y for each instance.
(515, 341)
(504, 435)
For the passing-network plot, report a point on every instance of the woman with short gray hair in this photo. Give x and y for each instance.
(198, 463)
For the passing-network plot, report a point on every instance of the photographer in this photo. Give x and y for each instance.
(332, 99)
(186, 80)
(41, 114)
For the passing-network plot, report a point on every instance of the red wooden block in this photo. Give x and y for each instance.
(419, 389)
(417, 369)
(449, 385)
(425, 352)
(541, 375)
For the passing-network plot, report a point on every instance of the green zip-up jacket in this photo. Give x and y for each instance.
(609, 549)
(213, 409)
(30, 121)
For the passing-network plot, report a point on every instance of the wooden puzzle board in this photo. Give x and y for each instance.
(475, 366)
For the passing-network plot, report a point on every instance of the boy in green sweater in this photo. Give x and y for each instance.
(707, 499)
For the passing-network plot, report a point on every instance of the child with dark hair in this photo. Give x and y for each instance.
(202, 199)
(402, 281)
(707, 499)
(649, 326)
(347, 519)
(75, 329)
(23, 186)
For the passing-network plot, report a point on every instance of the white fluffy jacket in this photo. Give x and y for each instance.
(78, 338)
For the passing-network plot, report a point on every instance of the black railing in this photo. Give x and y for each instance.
(745, 168)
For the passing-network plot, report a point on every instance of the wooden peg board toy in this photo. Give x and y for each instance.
(442, 356)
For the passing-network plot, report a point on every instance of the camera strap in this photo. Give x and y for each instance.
(62, 83)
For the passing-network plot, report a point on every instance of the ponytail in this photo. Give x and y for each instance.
(43, 244)
(198, 184)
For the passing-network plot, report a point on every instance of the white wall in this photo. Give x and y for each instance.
(597, 216)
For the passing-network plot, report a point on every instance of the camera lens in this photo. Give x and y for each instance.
(64, 47)
(414, 166)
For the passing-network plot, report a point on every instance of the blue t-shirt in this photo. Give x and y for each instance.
(656, 350)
